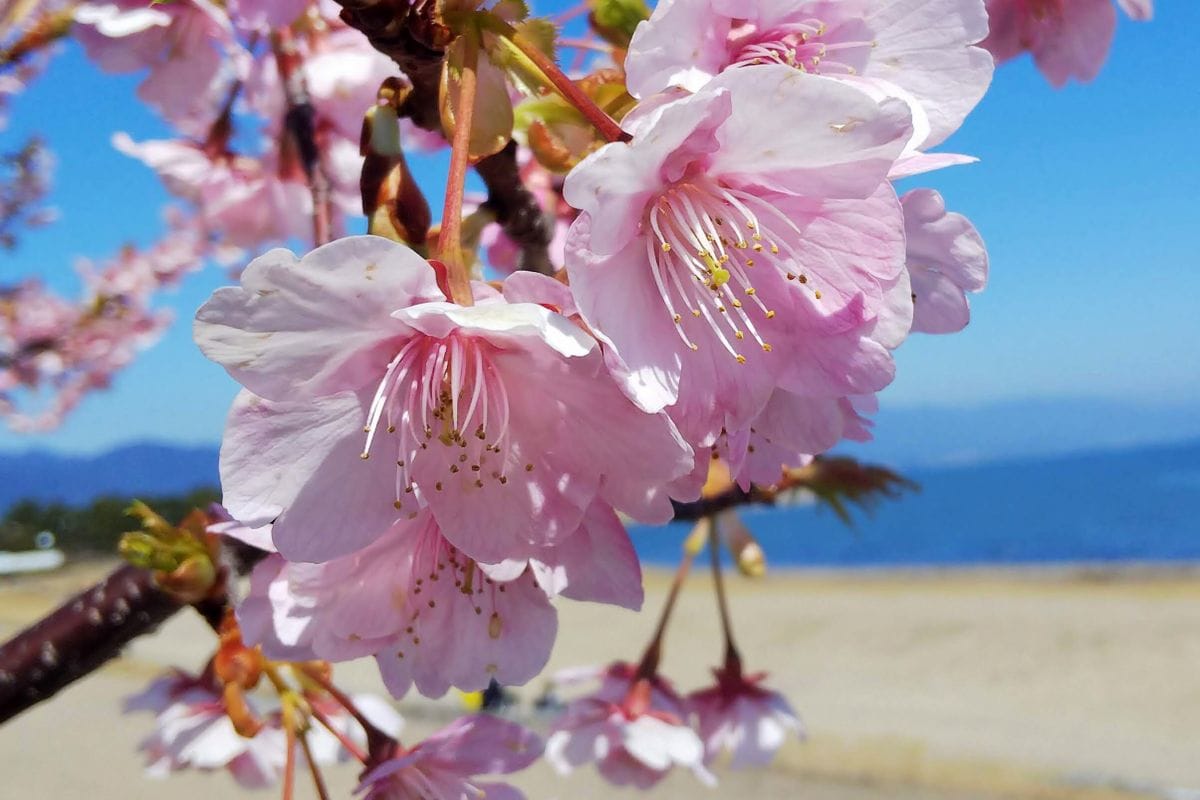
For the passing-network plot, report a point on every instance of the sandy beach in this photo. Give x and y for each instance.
(1065, 683)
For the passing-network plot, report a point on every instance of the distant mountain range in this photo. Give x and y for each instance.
(933, 436)
(134, 470)
(909, 438)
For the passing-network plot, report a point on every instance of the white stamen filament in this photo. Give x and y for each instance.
(441, 393)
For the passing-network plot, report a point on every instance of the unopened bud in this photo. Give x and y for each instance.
(745, 549)
(616, 20)
(191, 581)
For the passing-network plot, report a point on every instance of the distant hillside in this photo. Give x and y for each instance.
(935, 436)
(141, 469)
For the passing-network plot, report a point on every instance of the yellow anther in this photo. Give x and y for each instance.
(741, 359)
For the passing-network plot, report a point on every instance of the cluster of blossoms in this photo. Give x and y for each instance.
(431, 460)
(63, 349)
(428, 460)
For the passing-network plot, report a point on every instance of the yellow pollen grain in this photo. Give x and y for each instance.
(817, 294)
(740, 335)
(737, 303)
(750, 292)
(666, 247)
(766, 347)
(696, 313)
(741, 359)
(770, 315)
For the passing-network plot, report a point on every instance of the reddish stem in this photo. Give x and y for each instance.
(732, 658)
(314, 770)
(289, 766)
(376, 739)
(571, 92)
(648, 666)
(346, 742)
(450, 238)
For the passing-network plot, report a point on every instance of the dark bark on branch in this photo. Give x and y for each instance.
(730, 498)
(408, 32)
(517, 210)
(79, 636)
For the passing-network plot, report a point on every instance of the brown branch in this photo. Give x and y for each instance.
(409, 33)
(517, 210)
(82, 634)
(300, 124)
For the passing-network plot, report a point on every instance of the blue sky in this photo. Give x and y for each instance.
(1087, 198)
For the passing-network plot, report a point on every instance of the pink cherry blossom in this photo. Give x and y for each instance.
(193, 730)
(920, 50)
(1069, 39)
(241, 199)
(739, 717)
(410, 402)
(430, 615)
(445, 766)
(946, 259)
(788, 432)
(188, 46)
(261, 16)
(634, 728)
(746, 239)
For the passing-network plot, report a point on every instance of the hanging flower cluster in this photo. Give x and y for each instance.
(706, 269)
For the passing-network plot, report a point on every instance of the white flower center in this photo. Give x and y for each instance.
(442, 400)
(707, 241)
(808, 45)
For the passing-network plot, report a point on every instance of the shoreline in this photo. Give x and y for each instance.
(1048, 683)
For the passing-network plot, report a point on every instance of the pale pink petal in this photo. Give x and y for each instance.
(314, 325)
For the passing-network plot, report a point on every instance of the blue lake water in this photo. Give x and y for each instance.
(1141, 505)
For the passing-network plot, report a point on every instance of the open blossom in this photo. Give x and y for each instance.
(746, 239)
(193, 729)
(739, 717)
(410, 402)
(431, 616)
(946, 259)
(922, 52)
(188, 46)
(244, 200)
(445, 766)
(1067, 38)
(634, 728)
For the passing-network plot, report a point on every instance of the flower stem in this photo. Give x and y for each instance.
(571, 92)
(450, 238)
(346, 742)
(732, 658)
(375, 737)
(318, 778)
(648, 666)
(289, 765)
